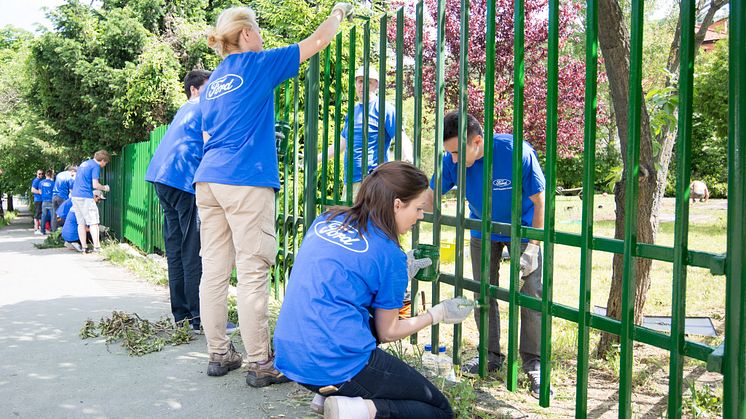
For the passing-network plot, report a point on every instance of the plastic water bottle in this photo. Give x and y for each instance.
(439, 365)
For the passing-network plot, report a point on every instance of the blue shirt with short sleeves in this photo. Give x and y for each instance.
(35, 185)
(533, 182)
(63, 183)
(83, 186)
(64, 208)
(375, 128)
(323, 331)
(238, 114)
(70, 229)
(47, 190)
(180, 151)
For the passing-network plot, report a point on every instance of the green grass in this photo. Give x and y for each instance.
(7, 217)
(135, 262)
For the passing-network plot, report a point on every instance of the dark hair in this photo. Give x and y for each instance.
(375, 200)
(50, 173)
(195, 78)
(102, 155)
(450, 126)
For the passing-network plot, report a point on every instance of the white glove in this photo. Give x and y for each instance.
(414, 265)
(106, 188)
(454, 310)
(529, 259)
(345, 8)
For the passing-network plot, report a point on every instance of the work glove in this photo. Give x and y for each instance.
(414, 265)
(454, 310)
(345, 8)
(106, 188)
(529, 259)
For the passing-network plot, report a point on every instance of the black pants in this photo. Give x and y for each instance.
(397, 390)
(181, 236)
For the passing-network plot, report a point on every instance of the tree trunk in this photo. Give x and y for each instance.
(614, 41)
(2, 211)
(10, 203)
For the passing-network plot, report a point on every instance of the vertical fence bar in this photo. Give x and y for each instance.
(296, 215)
(399, 81)
(681, 228)
(589, 179)
(551, 185)
(365, 155)
(311, 143)
(463, 104)
(325, 132)
(337, 115)
(382, 42)
(489, 126)
(417, 139)
(438, 146)
(350, 118)
(734, 387)
(515, 227)
(630, 216)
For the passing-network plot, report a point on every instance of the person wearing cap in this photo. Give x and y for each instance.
(381, 124)
(70, 232)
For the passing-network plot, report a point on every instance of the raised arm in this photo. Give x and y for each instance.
(324, 34)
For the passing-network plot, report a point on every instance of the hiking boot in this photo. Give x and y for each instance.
(494, 363)
(221, 364)
(341, 407)
(264, 374)
(534, 379)
(317, 404)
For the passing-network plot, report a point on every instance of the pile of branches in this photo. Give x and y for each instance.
(137, 335)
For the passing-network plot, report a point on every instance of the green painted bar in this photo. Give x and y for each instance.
(325, 132)
(399, 82)
(549, 203)
(489, 127)
(589, 179)
(681, 228)
(350, 117)
(417, 138)
(295, 213)
(630, 216)
(734, 362)
(382, 42)
(437, 149)
(337, 116)
(311, 142)
(365, 100)
(515, 231)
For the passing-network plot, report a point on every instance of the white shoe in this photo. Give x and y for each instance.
(341, 407)
(37, 232)
(317, 404)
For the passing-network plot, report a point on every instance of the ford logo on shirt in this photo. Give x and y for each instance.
(223, 86)
(347, 237)
(501, 184)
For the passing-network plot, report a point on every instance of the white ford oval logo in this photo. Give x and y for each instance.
(501, 184)
(349, 238)
(223, 86)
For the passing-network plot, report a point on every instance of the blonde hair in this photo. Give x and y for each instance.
(224, 37)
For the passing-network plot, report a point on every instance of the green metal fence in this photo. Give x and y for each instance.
(310, 113)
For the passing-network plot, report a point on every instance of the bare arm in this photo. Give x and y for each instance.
(36, 191)
(538, 221)
(407, 150)
(322, 36)
(330, 150)
(99, 186)
(390, 328)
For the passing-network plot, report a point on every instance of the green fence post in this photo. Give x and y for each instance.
(337, 116)
(382, 40)
(311, 143)
(325, 135)
(366, 101)
(350, 117)
(399, 81)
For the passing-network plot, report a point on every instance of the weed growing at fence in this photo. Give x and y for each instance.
(139, 336)
(703, 401)
(135, 262)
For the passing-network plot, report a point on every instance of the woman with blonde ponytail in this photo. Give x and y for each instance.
(236, 182)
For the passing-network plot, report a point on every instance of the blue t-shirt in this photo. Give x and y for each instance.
(70, 229)
(47, 190)
(35, 185)
(62, 184)
(64, 208)
(238, 114)
(374, 128)
(178, 155)
(502, 175)
(323, 333)
(83, 186)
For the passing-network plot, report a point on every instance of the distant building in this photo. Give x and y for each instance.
(718, 30)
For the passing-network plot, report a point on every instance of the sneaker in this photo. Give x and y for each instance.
(336, 407)
(97, 250)
(262, 375)
(38, 233)
(317, 404)
(231, 328)
(77, 247)
(534, 379)
(494, 363)
(221, 364)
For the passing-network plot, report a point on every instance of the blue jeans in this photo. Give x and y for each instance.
(181, 236)
(397, 390)
(47, 214)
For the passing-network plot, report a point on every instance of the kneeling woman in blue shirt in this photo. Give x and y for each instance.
(351, 264)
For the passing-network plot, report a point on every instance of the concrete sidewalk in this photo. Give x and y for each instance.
(47, 371)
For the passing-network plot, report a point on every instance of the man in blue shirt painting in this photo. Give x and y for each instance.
(46, 186)
(532, 214)
(172, 173)
(86, 181)
(37, 199)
